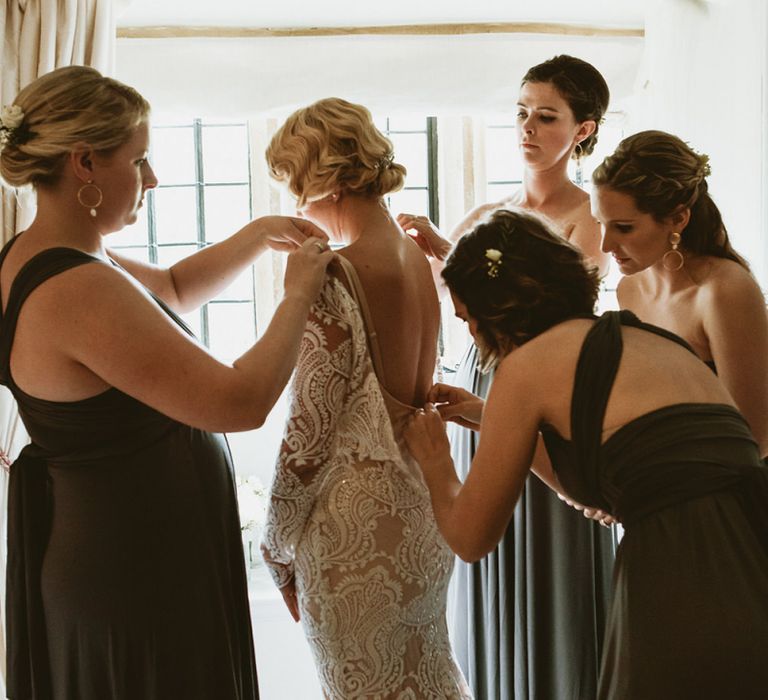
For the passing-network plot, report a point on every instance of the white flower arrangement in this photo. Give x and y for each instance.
(252, 502)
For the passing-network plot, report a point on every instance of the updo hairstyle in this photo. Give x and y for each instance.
(517, 279)
(663, 174)
(333, 145)
(64, 108)
(582, 86)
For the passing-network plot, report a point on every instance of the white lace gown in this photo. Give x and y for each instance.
(350, 520)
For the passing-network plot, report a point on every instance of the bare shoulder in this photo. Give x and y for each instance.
(472, 218)
(628, 292)
(721, 281)
(546, 360)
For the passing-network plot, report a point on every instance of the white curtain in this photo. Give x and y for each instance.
(38, 36)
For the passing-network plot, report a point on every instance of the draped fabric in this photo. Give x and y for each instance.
(38, 36)
(689, 612)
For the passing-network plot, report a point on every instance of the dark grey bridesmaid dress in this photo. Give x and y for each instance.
(125, 575)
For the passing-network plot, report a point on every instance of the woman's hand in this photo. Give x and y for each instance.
(600, 516)
(291, 600)
(457, 405)
(305, 269)
(286, 233)
(426, 235)
(427, 441)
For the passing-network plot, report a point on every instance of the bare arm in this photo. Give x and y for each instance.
(199, 277)
(736, 326)
(103, 321)
(472, 517)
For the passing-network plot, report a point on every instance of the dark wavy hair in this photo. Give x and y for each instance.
(662, 174)
(539, 281)
(581, 85)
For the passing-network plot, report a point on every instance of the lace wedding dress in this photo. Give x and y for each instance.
(350, 519)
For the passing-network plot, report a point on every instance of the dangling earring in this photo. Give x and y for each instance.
(579, 151)
(98, 194)
(675, 255)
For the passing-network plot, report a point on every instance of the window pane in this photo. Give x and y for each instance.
(411, 151)
(167, 255)
(241, 288)
(173, 155)
(502, 156)
(193, 320)
(227, 208)
(408, 122)
(381, 123)
(232, 329)
(176, 214)
(225, 153)
(410, 202)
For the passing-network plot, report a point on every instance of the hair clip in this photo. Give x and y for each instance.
(11, 118)
(385, 161)
(494, 262)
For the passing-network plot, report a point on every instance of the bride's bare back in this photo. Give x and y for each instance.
(397, 281)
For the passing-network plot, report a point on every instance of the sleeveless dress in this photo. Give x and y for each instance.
(350, 519)
(125, 566)
(527, 621)
(689, 614)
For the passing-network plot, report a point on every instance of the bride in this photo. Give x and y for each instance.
(351, 540)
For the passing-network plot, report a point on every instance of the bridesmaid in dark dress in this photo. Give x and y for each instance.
(681, 272)
(125, 565)
(532, 597)
(634, 424)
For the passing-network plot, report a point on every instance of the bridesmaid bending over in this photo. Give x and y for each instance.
(634, 424)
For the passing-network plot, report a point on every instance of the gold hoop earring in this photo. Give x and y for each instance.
(91, 207)
(674, 254)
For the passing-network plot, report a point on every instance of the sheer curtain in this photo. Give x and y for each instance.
(38, 36)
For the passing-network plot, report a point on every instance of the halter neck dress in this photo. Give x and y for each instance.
(125, 574)
(689, 613)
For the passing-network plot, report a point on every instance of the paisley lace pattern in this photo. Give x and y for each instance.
(350, 520)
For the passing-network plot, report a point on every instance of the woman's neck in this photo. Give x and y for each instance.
(542, 187)
(60, 221)
(362, 216)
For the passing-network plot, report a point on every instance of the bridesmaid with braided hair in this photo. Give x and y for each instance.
(681, 273)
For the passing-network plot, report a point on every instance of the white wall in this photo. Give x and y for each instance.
(702, 78)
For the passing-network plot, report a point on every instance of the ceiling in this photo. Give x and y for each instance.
(333, 13)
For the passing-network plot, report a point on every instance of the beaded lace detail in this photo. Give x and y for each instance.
(351, 521)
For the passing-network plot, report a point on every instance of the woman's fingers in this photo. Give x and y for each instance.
(303, 229)
(291, 600)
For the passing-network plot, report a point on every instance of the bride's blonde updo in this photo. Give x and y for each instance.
(331, 146)
(62, 109)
